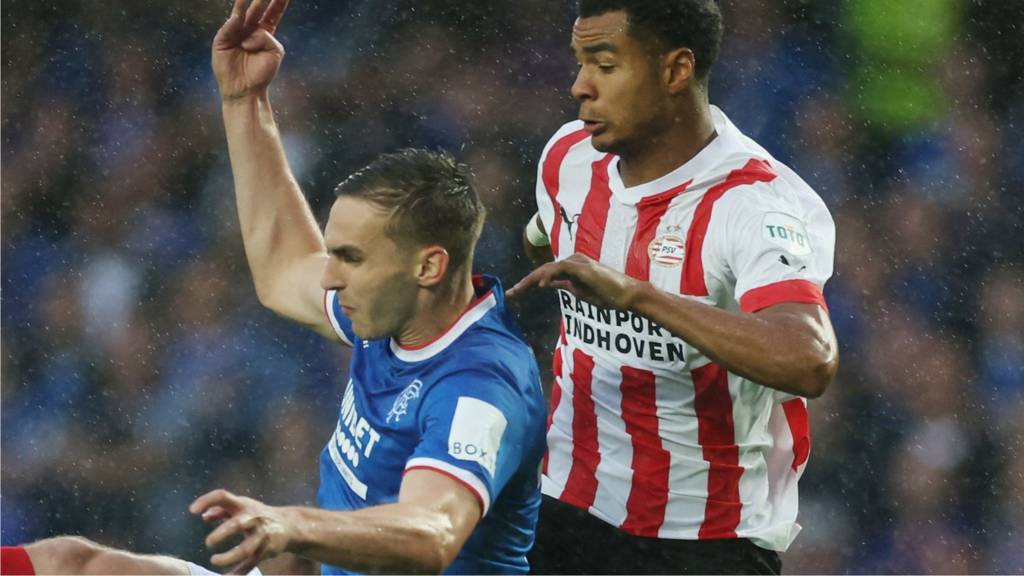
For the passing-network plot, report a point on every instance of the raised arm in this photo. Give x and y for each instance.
(283, 243)
(421, 533)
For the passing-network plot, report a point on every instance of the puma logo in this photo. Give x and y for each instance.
(569, 222)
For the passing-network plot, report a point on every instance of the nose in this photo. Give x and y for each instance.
(332, 277)
(583, 88)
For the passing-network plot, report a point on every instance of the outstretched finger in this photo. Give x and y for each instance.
(229, 528)
(272, 17)
(247, 564)
(214, 514)
(238, 9)
(220, 498)
(246, 550)
(541, 277)
(254, 13)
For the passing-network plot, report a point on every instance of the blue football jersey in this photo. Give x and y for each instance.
(468, 405)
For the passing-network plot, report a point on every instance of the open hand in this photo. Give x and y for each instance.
(246, 56)
(585, 278)
(265, 530)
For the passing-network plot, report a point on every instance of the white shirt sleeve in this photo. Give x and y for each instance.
(777, 244)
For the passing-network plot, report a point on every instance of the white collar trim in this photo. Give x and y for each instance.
(469, 317)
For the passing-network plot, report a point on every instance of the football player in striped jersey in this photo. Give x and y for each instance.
(689, 265)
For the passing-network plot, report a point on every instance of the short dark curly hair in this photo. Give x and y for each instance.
(670, 24)
(429, 197)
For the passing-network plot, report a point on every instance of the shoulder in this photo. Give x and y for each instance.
(755, 184)
(568, 143)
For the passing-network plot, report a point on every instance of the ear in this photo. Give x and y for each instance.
(432, 265)
(679, 67)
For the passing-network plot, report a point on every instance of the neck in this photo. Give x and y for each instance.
(438, 309)
(672, 144)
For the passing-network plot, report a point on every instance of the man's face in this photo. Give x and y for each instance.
(621, 98)
(375, 278)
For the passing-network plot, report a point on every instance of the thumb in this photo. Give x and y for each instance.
(262, 41)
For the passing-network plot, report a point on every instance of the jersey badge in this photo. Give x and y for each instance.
(666, 250)
(401, 406)
(787, 233)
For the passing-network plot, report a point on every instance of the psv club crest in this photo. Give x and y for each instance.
(666, 250)
(401, 406)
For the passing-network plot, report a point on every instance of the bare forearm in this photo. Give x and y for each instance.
(395, 538)
(278, 228)
(779, 350)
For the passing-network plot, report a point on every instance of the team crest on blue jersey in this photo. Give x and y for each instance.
(401, 405)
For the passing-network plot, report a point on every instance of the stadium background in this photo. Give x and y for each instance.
(138, 369)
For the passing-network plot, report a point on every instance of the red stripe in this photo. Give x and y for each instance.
(648, 493)
(556, 394)
(649, 213)
(594, 216)
(15, 560)
(798, 291)
(693, 268)
(549, 175)
(717, 437)
(800, 428)
(581, 486)
(479, 496)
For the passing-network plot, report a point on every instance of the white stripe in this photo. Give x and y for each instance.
(574, 177)
(329, 308)
(468, 318)
(354, 483)
(560, 434)
(614, 472)
(688, 471)
(461, 473)
(752, 407)
(676, 221)
(618, 234)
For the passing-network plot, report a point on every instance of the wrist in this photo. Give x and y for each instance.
(637, 293)
(245, 100)
(291, 522)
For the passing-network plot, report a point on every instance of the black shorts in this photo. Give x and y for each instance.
(571, 541)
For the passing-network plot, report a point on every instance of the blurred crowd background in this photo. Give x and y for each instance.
(138, 370)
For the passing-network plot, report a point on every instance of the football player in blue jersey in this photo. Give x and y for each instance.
(434, 463)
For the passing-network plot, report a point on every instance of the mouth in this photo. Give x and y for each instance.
(593, 127)
(346, 310)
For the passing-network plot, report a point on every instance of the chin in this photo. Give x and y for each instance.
(604, 143)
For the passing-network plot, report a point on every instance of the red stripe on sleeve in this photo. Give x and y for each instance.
(693, 266)
(594, 216)
(550, 176)
(800, 428)
(15, 560)
(649, 213)
(648, 493)
(797, 291)
(479, 497)
(717, 437)
(581, 487)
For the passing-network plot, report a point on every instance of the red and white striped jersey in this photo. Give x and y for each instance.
(645, 431)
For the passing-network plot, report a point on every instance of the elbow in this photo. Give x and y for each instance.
(820, 370)
(268, 299)
(436, 551)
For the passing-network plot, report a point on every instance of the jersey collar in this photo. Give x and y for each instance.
(473, 313)
(706, 159)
